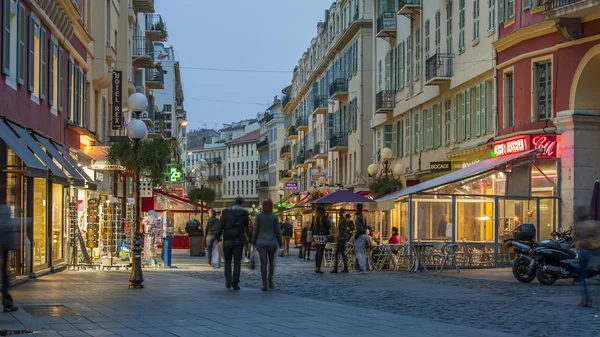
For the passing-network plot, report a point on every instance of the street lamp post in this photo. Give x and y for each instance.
(386, 171)
(200, 176)
(137, 131)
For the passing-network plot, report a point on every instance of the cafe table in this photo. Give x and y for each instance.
(419, 249)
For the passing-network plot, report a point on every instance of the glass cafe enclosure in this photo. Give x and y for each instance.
(480, 211)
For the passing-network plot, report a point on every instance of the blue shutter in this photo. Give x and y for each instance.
(6, 37)
(31, 58)
(43, 63)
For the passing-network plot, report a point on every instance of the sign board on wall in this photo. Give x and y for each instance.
(291, 186)
(547, 143)
(316, 173)
(389, 21)
(440, 166)
(117, 100)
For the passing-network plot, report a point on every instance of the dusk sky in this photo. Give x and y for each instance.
(253, 44)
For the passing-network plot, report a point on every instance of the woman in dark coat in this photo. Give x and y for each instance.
(209, 233)
(320, 231)
(266, 237)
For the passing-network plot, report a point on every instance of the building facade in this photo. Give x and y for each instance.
(199, 137)
(242, 168)
(214, 156)
(328, 106)
(272, 139)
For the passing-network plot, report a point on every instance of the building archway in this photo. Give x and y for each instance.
(586, 86)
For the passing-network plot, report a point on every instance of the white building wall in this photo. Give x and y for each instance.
(242, 170)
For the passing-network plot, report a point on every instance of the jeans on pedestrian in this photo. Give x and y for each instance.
(307, 249)
(286, 244)
(7, 300)
(233, 250)
(361, 245)
(210, 244)
(267, 257)
(340, 248)
(320, 254)
(585, 256)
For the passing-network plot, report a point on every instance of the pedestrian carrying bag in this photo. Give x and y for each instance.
(253, 259)
(309, 236)
(216, 257)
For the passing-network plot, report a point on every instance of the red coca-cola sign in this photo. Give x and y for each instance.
(547, 143)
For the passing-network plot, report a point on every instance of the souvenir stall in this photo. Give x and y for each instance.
(153, 238)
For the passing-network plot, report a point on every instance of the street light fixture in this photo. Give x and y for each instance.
(137, 131)
(385, 172)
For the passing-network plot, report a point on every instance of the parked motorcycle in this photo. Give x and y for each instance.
(555, 259)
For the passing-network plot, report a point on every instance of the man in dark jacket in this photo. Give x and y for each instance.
(287, 231)
(340, 247)
(306, 244)
(233, 226)
(320, 233)
(361, 239)
(9, 234)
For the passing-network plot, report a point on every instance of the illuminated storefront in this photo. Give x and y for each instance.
(478, 206)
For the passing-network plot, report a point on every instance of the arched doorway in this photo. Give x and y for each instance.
(585, 87)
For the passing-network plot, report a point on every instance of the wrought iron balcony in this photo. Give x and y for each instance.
(386, 25)
(385, 101)
(155, 78)
(338, 89)
(262, 183)
(573, 9)
(320, 104)
(142, 52)
(408, 7)
(338, 143)
(301, 123)
(143, 6)
(320, 150)
(439, 69)
(215, 178)
(293, 133)
(300, 159)
(285, 151)
(268, 117)
(156, 30)
(284, 175)
(286, 100)
(263, 143)
(214, 161)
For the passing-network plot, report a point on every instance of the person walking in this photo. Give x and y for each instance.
(361, 239)
(340, 246)
(209, 233)
(351, 227)
(233, 228)
(286, 230)
(587, 239)
(9, 240)
(306, 243)
(266, 237)
(320, 231)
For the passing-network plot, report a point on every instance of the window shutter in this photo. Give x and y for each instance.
(483, 108)
(407, 136)
(51, 75)
(400, 134)
(526, 4)
(31, 57)
(59, 94)
(394, 140)
(456, 114)
(76, 101)
(422, 128)
(83, 99)
(387, 136)
(478, 110)
(439, 125)
(6, 37)
(431, 120)
(21, 22)
(402, 65)
(43, 63)
(70, 90)
(468, 113)
(501, 11)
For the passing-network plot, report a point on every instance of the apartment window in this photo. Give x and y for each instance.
(53, 77)
(417, 53)
(492, 16)
(461, 25)
(43, 59)
(388, 136)
(168, 108)
(401, 62)
(481, 109)
(438, 31)
(438, 125)
(447, 120)
(7, 25)
(416, 132)
(429, 129)
(449, 27)
(506, 10)
(59, 85)
(407, 135)
(408, 60)
(509, 116)
(476, 11)
(457, 112)
(526, 4)
(34, 60)
(427, 38)
(468, 112)
(379, 74)
(543, 90)
(400, 138)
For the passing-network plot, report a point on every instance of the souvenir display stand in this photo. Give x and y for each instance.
(112, 232)
(153, 238)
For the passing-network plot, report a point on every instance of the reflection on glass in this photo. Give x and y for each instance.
(40, 222)
(14, 200)
(547, 218)
(403, 223)
(484, 184)
(432, 219)
(57, 221)
(474, 220)
(513, 213)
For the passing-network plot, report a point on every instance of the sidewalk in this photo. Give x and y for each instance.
(175, 305)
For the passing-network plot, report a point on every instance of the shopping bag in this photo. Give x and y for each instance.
(309, 236)
(253, 259)
(216, 257)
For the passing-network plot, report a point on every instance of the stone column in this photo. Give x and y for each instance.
(579, 149)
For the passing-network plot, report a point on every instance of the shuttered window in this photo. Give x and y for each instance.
(6, 37)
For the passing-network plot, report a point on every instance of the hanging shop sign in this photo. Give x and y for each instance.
(174, 174)
(546, 143)
(117, 100)
(317, 173)
(99, 176)
(291, 186)
(440, 166)
(389, 21)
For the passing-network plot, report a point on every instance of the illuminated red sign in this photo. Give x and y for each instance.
(547, 143)
(510, 146)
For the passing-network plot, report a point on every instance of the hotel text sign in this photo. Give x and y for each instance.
(547, 144)
(440, 166)
(117, 100)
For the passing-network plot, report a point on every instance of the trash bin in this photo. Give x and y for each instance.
(196, 235)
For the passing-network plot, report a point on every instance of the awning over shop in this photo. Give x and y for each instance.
(78, 180)
(342, 196)
(34, 167)
(65, 152)
(387, 202)
(58, 175)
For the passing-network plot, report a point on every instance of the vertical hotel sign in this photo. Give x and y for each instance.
(117, 100)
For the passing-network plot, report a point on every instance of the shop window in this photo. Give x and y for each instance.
(474, 219)
(432, 217)
(543, 90)
(15, 194)
(509, 115)
(40, 223)
(57, 222)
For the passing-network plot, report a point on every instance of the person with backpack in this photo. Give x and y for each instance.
(361, 238)
(287, 231)
(320, 230)
(340, 246)
(233, 228)
(266, 237)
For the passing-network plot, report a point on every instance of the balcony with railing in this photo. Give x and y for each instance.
(320, 150)
(268, 117)
(285, 151)
(301, 159)
(409, 7)
(262, 183)
(385, 101)
(155, 78)
(572, 9)
(292, 133)
(142, 52)
(439, 69)
(143, 6)
(262, 145)
(286, 100)
(386, 25)
(156, 30)
(320, 104)
(215, 178)
(338, 143)
(338, 89)
(301, 123)
(285, 175)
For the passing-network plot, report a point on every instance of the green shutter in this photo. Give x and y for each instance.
(394, 140)
(30, 67)
(43, 63)
(422, 129)
(51, 74)
(400, 145)
(439, 125)
(6, 37)
(484, 108)
(478, 110)
(456, 114)
(416, 132)
(60, 79)
(501, 11)
(402, 65)
(387, 136)
(21, 22)
(468, 113)
(526, 4)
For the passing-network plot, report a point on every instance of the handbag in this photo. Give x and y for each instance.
(309, 236)
(215, 261)
(253, 258)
